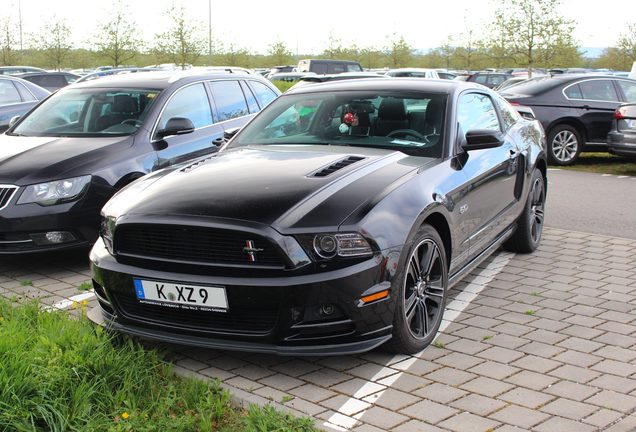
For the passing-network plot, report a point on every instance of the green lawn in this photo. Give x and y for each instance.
(59, 373)
(604, 163)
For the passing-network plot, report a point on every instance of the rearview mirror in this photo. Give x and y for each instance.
(176, 126)
(480, 139)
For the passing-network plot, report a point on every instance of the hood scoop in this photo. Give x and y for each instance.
(196, 164)
(343, 163)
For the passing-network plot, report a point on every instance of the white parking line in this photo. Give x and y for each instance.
(66, 303)
(355, 407)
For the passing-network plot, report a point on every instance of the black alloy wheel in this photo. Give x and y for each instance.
(422, 293)
(530, 224)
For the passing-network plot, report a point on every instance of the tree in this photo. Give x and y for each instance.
(627, 42)
(399, 52)
(236, 56)
(280, 54)
(182, 43)
(530, 29)
(8, 55)
(335, 50)
(53, 42)
(117, 39)
(613, 58)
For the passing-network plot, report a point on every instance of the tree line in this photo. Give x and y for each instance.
(523, 34)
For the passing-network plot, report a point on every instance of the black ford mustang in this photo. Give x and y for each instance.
(335, 221)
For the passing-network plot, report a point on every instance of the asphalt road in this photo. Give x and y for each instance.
(591, 203)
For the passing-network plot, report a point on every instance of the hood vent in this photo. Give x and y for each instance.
(328, 170)
(196, 164)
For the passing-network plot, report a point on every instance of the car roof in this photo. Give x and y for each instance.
(389, 84)
(160, 79)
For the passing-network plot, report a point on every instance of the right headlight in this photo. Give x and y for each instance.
(107, 232)
(55, 192)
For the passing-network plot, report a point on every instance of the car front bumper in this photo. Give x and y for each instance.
(278, 315)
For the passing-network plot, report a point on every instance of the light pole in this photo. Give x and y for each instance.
(20, 21)
(210, 30)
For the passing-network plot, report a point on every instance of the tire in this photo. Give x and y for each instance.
(530, 224)
(564, 145)
(421, 287)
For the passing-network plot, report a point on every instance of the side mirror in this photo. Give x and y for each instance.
(229, 133)
(14, 120)
(176, 126)
(480, 139)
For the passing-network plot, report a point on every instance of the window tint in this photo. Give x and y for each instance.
(481, 79)
(190, 102)
(264, 94)
(353, 68)
(573, 92)
(251, 100)
(476, 111)
(509, 115)
(600, 90)
(319, 68)
(336, 68)
(8, 93)
(229, 99)
(629, 88)
(495, 80)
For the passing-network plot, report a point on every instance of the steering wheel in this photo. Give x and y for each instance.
(133, 122)
(405, 133)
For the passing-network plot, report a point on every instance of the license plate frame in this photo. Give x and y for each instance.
(180, 295)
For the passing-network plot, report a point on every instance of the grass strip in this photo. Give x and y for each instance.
(59, 373)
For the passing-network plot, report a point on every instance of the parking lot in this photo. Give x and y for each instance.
(541, 342)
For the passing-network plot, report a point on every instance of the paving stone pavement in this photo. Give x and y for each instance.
(539, 342)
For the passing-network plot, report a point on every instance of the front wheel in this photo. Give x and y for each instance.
(564, 145)
(530, 224)
(422, 283)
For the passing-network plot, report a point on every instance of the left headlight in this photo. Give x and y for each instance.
(344, 245)
(107, 232)
(55, 192)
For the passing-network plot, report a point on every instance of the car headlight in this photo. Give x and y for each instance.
(55, 192)
(346, 245)
(107, 232)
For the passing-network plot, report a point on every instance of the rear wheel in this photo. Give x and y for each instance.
(564, 145)
(423, 282)
(530, 224)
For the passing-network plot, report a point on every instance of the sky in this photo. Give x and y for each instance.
(305, 27)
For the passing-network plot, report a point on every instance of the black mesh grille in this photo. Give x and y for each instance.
(196, 245)
(251, 311)
(6, 192)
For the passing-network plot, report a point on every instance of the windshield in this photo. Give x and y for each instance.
(412, 123)
(89, 112)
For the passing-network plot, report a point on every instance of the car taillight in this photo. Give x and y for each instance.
(618, 115)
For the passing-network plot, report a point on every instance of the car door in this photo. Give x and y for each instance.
(191, 102)
(491, 173)
(595, 100)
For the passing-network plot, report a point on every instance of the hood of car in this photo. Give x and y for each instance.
(28, 160)
(286, 187)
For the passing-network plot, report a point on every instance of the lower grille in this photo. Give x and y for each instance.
(192, 244)
(251, 311)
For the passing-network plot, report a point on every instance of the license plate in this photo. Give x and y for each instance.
(181, 295)
(631, 124)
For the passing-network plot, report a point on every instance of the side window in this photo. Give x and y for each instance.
(190, 102)
(251, 100)
(335, 68)
(264, 94)
(599, 90)
(24, 92)
(476, 111)
(319, 68)
(8, 93)
(481, 79)
(629, 88)
(509, 115)
(353, 68)
(229, 99)
(495, 80)
(573, 92)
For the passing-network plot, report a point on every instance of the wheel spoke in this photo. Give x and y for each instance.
(414, 268)
(429, 260)
(410, 306)
(425, 318)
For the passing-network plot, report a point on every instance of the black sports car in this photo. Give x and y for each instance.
(334, 222)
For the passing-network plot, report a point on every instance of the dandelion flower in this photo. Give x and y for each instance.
(125, 416)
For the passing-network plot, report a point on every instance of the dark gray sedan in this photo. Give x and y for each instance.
(621, 139)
